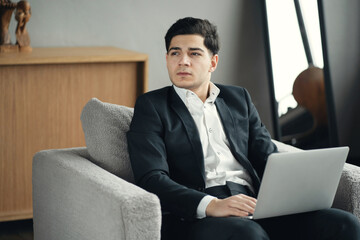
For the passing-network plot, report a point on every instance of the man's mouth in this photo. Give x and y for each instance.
(183, 74)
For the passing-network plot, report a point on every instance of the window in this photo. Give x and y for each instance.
(287, 49)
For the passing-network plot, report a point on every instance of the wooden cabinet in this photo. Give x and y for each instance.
(41, 98)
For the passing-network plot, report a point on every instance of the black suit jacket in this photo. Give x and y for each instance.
(166, 153)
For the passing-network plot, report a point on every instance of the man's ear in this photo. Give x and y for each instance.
(214, 62)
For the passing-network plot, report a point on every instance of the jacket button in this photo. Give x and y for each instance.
(201, 189)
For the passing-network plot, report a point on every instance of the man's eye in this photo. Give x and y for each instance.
(174, 54)
(196, 54)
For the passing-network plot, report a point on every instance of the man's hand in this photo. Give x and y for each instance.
(238, 205)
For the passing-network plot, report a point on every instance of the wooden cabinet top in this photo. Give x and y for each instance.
(72, 55)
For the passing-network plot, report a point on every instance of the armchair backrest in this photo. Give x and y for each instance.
(105, 126)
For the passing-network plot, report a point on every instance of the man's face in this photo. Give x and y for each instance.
(190, 63)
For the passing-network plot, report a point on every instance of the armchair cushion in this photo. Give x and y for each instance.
(105, 126)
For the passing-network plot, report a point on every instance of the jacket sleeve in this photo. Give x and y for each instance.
(147, 150)
(260, 145)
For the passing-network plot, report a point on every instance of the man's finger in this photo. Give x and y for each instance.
(243, 207)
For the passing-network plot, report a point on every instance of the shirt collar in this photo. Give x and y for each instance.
(184, 93)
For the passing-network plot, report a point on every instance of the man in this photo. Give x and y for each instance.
(202, 149)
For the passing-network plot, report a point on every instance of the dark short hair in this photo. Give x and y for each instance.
(197, 26)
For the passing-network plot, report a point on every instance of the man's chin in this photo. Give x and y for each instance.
(183, 84)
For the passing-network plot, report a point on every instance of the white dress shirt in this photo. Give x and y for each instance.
(220, 164)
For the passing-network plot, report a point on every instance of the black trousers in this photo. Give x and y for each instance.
(329, 224)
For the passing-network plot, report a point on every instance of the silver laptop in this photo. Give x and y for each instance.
(297, 182)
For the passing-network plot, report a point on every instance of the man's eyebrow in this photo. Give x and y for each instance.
(196, 49)
(174, 48)
(191, 49)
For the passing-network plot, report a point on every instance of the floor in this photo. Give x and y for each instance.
(16, 230)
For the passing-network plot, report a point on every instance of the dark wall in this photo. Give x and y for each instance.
(252, 64)
(342, 32)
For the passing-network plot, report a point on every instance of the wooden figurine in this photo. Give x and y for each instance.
(6, 10)
(22, 15)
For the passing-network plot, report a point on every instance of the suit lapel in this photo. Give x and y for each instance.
(191, 130)
(232, 135)
(226, 119)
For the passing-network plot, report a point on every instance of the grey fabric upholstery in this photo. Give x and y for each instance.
(76, 199)
(78, 196)
(105, 126)
(348, 193)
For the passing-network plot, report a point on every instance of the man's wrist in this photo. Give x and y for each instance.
(201, 209)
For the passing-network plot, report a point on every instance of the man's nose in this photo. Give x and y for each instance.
(184, 61)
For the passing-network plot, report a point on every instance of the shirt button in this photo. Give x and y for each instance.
(210, 130)
(218, 153)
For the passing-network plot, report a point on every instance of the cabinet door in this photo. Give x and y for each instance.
(40, 107)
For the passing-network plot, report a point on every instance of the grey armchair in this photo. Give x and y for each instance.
(89, 192)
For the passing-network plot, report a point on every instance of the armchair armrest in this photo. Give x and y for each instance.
(75, 199)
(348, 193)
(282, 147)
